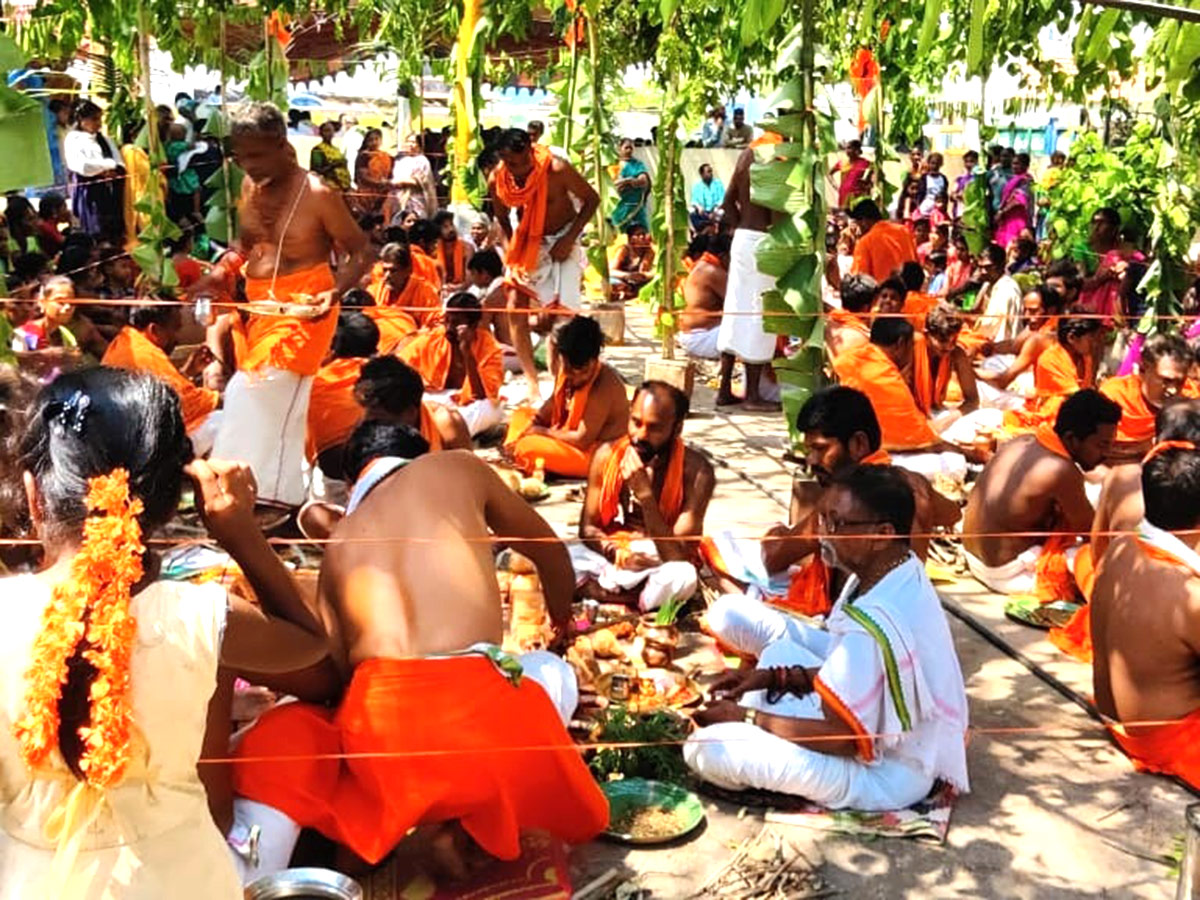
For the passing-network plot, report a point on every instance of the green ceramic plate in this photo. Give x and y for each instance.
(640, 793)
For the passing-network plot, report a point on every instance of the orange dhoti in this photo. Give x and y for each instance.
(427, 741)
(560, 457)
(1172, 749)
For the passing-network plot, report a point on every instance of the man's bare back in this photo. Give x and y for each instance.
(704, 296)
(739, 210)
(410, 572)
(1025, 488)
(1120, 507)
(1145, 621)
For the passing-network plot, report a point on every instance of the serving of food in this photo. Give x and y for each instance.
(650, 812)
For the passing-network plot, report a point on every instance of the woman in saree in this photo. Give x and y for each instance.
(372, 174)
(412, 177)
(633, 186)
(329, 161)
(1017, 205)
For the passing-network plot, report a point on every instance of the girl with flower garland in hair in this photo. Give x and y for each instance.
(106, 671)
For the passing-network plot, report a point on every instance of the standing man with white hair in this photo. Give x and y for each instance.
(290, 225)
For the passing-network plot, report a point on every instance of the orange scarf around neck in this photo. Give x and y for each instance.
(929, 391)
(429, 429)
(712, 259)
(530, 198)
(879, 458)
(454, 273)
(847, 319)
(670, 501)
(569, 413)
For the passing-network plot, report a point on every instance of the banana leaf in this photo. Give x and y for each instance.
(781, 186)
(799, 376)
(975, 225)
(784, 245)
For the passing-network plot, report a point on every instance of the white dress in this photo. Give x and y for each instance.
(151, 836)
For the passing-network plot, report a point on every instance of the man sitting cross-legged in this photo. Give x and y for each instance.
(437, 727)
(1119, 510)
(644, 490)
(1162, 373)
(865, 713)
(1031, 488)
(840, 432)
(461, 362)
(1145, 621)
(588, 407)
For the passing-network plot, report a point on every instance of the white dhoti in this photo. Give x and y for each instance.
(700, 343)
(966, 428)
(888, 667)
(204, 435)
(947, 464)
(556, 283)
(739, 755)
(741, 332)
(1017, 576)
(1013, 397)
(266, 414)
(480, 415)
(749, 626)
(674, 579)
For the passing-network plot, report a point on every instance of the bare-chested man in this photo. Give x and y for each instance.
(543, 256)
(700, 319)
(588, 407)
(436, 713)
(643, 490)
(290, 224)
(785, 568)
(1034, 487)
(742, 333)
(1145, 622)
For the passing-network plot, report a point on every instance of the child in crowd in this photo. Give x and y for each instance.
(53, 216)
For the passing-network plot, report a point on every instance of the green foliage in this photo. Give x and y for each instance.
(661, 763)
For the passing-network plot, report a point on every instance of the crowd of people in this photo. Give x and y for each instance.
(344, 360)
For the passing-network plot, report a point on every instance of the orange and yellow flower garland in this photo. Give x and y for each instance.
(98, 591)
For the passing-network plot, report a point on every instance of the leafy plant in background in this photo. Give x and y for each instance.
(660, 763)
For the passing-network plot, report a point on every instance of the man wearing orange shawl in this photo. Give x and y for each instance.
(877, 369)
(1029, 505)
(644, 490)
(461, 363)
(545, 263)
(403, 301)
(438, 729)
(145, 344)
(882, 247)
(849, 327)
(1009, 360)
(1119, 510)
(1145, 623)
(1162, 374)
(422, 244)
(785, 569)
(453, 254)
(1065, 368)
(290, 225)
(589, 406)
(333, 411)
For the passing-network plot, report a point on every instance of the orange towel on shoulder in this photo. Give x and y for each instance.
(429, 429)
(455, 268)
(883, 250)
(871, 371)
(1137, 417)
(282, 342)
(429, 740)
(1168, 749)
(530, 198)
(425, 267)
(430, 354)
(670, 500)
(131, 349)
(929, 390)
(333, 413)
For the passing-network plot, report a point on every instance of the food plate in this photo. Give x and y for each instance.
(650, 812)
(278, 308)
(651, 690)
